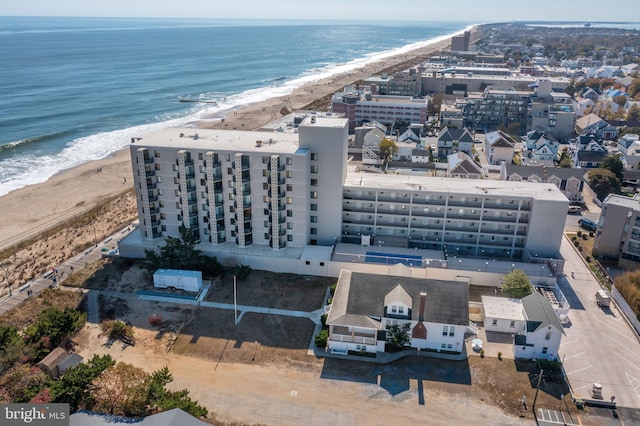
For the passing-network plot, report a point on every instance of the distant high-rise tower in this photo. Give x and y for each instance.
(461, 42)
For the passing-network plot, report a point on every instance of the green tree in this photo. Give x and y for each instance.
(516, 284)
(634, 113)
(53, 328)
(614, 165)
(11, 347)
(603, 182)
(398, 335)
(121, 389)
(388, 147)
(181, 253)
(73, 386)
(435, 102)
(22, 383)
(628, 284)
(565, 159)
(161, 399)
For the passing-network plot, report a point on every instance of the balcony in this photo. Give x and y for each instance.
(154, 210)
(150, 172)
(281, 219)
(153, 198)
(151, 185)
(363, 197)
(280, 181)
(148, 160)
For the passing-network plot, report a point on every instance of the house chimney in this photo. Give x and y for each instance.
(423, 302)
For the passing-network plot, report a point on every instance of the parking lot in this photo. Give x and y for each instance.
(599, 346)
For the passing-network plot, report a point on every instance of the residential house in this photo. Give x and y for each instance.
(543, 330)
(365, 305)
(593, 123)
(569, 180)
(589, 159)
(454, 140)
(539, 146)
(461, 165)
(421, 156)
(581, 105)
(629, 147)
(499, 147)
(173, 417)
(368, 131)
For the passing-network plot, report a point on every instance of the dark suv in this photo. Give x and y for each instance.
(587, 224)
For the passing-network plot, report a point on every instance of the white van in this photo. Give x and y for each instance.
(575, 209)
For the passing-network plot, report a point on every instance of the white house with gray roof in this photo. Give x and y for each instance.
(543, 330)
(365, 305)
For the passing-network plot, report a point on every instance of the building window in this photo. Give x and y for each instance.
(544, 350)
(314, 207)
(314, 194)
(289, 174)
(289, 225)
(547, 336)
(314, 169)
(494, 322)
(314, 182)
(265, 160)
(394, 309)
(321, 263)
(306, 262)
(229, 171)
(289, 187)
(314, 231)
(314, 219)
(512, 324)
(289, 161)
(289, 200)
(289, 237)
(289, 213)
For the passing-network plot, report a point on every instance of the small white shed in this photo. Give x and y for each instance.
(184, 280)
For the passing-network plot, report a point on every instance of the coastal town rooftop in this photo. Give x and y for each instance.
(466, 187)
(224, 140)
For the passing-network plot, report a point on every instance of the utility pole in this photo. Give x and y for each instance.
(235, 302)
(533, 407)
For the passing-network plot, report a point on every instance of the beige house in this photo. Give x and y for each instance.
(499, 147)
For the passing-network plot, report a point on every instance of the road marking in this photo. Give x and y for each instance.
(636, 386)
(580, 369)
(573, 356)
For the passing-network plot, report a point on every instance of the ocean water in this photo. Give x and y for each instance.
(76, 89)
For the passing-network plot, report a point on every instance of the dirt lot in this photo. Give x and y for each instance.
(259, 370)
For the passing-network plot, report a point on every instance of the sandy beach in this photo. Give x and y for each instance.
(27, 212)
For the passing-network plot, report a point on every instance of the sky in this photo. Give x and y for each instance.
(476, 11)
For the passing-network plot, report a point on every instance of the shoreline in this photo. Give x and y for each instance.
(28, 211)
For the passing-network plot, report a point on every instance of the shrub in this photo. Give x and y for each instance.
(242, 271)
(499, 356)
(585, 237)
(579, 233)
(574, 238)
(576, 243)
(587, 258)
(323, 320)
(321, 338)
(481, 353)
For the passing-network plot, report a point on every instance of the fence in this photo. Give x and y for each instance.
(626, 309)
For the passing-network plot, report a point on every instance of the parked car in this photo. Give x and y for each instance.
(575, 209)
(588, 224)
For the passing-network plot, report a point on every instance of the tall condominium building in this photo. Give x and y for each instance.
(489, 110)
(618, 234)
(243, 187)
(362, 106)
(552, 112)
(255, 191)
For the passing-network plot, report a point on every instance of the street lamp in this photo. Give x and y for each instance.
(460, 264)
(486, 265)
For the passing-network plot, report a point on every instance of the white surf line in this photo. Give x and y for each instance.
(573, 356)
(581, 369)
